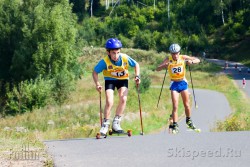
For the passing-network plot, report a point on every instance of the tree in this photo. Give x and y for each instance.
(41, 38)
(9, 28)
(38, 39)
(93, 6)
(145, 40)
(78, 8)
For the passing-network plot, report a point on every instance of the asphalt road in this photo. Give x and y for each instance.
(189, 149)
(237, 73)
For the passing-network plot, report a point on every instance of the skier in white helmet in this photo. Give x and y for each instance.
(175, 64)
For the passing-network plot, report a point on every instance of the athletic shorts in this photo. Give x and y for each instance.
(112, 84)
(178, 86)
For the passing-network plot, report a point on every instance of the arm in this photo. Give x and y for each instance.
(137, 74)
(163, 65)
(136, 66)
(98, 68)
(191, 60)
(97, 83)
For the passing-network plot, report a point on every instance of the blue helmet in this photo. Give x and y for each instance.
(113, 43)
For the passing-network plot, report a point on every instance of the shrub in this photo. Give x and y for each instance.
(230, 35)
(64, 84)
(28, 95)
(239, 28)
(145, 82)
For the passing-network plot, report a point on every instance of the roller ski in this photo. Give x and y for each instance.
(129, 133)
(116, 128)
(191, 126)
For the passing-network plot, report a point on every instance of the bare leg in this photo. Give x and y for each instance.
(185, 99)
(175, 101)
(109, 103)
(123, 92)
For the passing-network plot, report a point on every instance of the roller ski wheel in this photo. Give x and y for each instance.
(129, 133)
(172, 130)
(194, 129)
(99, 136)
(175, 131)
(197, 130)
(110, 132)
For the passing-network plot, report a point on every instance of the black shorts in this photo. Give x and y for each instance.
(112, 84)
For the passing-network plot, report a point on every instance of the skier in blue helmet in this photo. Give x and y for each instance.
(114, 67)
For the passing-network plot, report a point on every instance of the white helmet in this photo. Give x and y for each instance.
(174, 48)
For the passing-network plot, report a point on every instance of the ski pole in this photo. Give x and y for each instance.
(196, 106)
(100, 95)
(162, 87)
(138, 92)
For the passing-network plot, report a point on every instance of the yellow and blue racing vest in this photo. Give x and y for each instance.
(176, 69)
(118, 72)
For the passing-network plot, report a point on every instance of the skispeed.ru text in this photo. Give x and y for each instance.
(193, 154)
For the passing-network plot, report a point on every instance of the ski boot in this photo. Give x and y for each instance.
(170, 123)
(116, 126)
(174, 128)
(105, 127)
(191, 126)
(170, 128)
